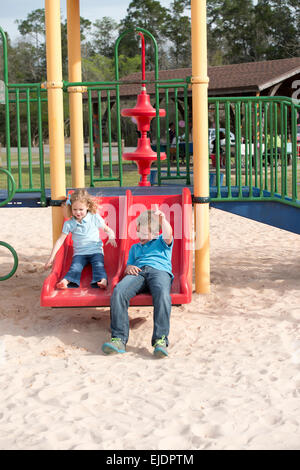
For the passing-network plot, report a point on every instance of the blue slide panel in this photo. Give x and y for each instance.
(272, 213)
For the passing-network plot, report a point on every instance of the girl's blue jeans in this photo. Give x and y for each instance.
(80, 261)
(152, 280)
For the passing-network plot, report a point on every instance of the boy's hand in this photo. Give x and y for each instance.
(133, 270)
(167, 231)
(158, 212)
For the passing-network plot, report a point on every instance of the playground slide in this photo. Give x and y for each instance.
(120, 214)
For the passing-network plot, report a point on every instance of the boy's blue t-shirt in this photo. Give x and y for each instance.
(85, 235)
(155, 253)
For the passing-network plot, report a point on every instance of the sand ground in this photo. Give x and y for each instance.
(232, 378)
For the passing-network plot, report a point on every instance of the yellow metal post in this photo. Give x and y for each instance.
(75, 94)
(200, 144)
(55, 110)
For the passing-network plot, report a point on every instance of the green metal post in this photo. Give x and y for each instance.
(250, 164)
(119, 135)
(187, 151)
(41, 149)
(109, 134)
(7, 121)
(29, 138)
(167, 133)
(272, 137)
(100, 133)
(177, 132)
(20, 185)
(91, 140)
(217, 146)
(247, 143)
(261, 141)
(294, 152)
(276, 148)
(228, 147)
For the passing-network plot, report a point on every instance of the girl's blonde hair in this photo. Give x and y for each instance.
(150, 220)
(83, 196)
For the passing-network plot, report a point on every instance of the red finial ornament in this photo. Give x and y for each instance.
(143, 112)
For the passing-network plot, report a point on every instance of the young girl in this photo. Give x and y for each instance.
(87, 245)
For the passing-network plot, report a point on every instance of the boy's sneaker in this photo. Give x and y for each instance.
(160, 347)
(114, 346)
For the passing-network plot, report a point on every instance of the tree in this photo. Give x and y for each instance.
(33, 43)
(230, 25)
(104, 34)
(178, 30)
(147, 14)
(32, 31)
(100, 68)
(26, 63)
(33, 26)
(282, 26)
(251, 31)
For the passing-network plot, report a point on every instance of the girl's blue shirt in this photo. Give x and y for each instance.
(85, 235)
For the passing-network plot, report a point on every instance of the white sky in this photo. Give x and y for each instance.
(12, 10)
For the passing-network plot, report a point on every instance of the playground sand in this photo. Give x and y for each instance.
(232, 378)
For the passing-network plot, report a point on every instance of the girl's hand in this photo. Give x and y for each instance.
(133, 270)
(111, 236)
(48, 264)
(111, 241)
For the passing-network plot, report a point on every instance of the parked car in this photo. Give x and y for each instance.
(212, 136)
(298, 133)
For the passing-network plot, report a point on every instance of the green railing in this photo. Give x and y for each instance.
(262, 154)
(23, 113)
(11, 189)
(25, 117)
(103, 133)
(178, 154)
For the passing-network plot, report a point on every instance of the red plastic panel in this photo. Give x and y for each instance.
(120, 214)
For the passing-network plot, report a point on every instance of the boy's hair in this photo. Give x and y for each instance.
(83, 196)
(150, 220)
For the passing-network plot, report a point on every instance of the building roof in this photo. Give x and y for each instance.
(233, 79)
(252, 76)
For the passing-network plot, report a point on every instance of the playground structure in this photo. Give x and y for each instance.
(55, 86)
(258, 183)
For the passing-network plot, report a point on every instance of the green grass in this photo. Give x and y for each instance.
(22, 179)
(130, 177)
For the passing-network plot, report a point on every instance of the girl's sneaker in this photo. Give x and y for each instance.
(115, 346)
(160, 347)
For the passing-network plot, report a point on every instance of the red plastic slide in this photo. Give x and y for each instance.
(120, 213)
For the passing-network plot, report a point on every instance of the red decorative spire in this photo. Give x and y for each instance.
(143, 112)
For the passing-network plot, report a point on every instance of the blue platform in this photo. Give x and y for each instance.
(272, 213)
(277, 214)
